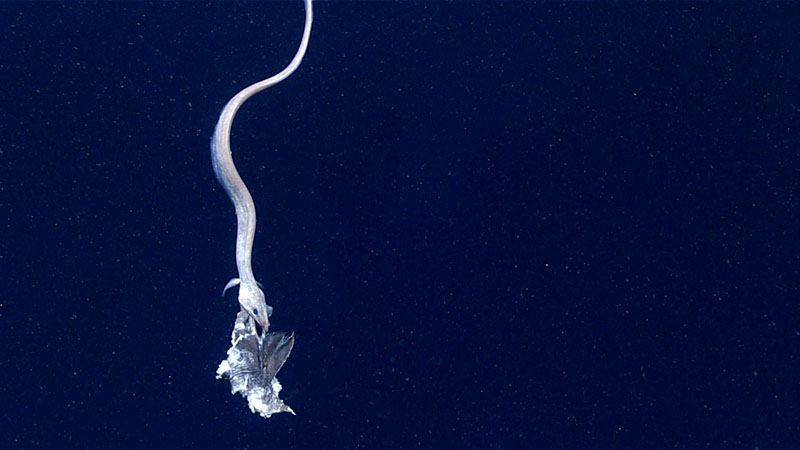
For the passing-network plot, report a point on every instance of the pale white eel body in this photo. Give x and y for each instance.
(251, 297)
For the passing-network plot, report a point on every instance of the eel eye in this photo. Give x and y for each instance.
(255, 311)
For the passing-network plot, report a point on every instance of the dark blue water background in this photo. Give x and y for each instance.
(490, 225)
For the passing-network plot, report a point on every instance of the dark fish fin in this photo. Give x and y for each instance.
(275, 350)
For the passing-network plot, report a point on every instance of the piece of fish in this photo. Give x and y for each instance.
(252, 364)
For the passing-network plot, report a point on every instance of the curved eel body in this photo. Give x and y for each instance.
(251, 297)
